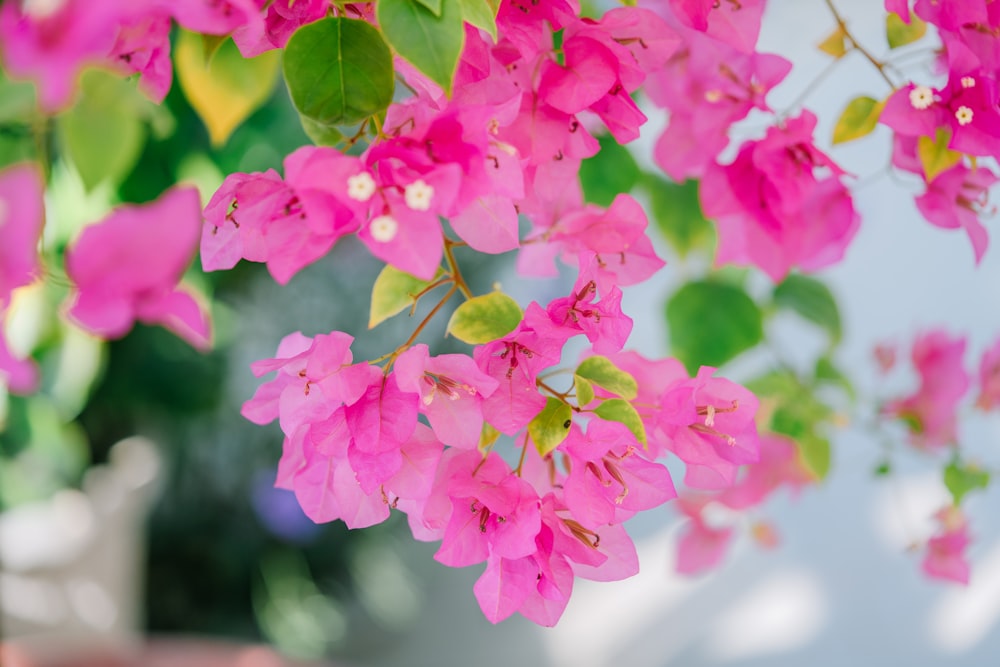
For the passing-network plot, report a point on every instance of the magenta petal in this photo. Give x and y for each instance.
(181, 313)
(20, 375)
(504, 586)
(21, 217)
(488, 225)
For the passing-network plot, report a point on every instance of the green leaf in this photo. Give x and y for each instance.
(393, 292)
(812, 300)
(584, 391)
(481, 14)
(676, 210)
(17, 100)
(827, 372)
(898, 33)
(858, 119)
(210, 46)
(621, 411)
(431, 43)
(103, 134)
(320, 133)
(488, 436)
(609, 173)
(485, 318)
(550, 426)
(934, 154)
(602, 372)
(228, 88)
(339, 71)
(712, 322)
(883, 469)
(960, 480)
(433, 5)
(815, 453)
(799, 416)
(836, 44)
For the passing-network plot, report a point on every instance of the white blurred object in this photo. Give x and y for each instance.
(71, 567)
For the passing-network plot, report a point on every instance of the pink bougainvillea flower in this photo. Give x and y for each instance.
(21, 217)
(700, 546)
(773, 211)
(143, 47)
(989, 378)
(945, 557)
(779, 465)
(51, 41)
(735, 22)
(965, 108)
(493, 511)
(515, 361)
(602, 322)
(213, 17)
(707, 86)
(930, 412)
(281, 19)
(956, 198)
(19, 376)
(610, 480)
(451, 389)
(127, 268)
(286, 223)
(709, 424)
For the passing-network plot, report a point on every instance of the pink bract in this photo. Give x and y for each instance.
(127, 267)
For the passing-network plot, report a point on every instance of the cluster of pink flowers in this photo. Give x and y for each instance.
(421, 433)
(962, 114)
(781, 203)
(931, 416)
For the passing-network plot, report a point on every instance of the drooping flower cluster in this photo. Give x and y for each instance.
(430, 435)
(355, 449)
(931, 417)
(941, 131)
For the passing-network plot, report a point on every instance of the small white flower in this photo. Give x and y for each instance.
(361, 187)
(963, 115)
(384, 228)
(921, 97)
(418, 195)
(968, 82)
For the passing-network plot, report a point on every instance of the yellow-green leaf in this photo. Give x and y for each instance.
(584, 390)
(836, 44)
(602, 372)
(858, 119)
(481, 14)
(899, 33)
(488, 436)
(485, 318)
(550, 426)
(393, 292)
(621, 411)
(815, 452)
(935, 156)
(226, 90)
(103, 133)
